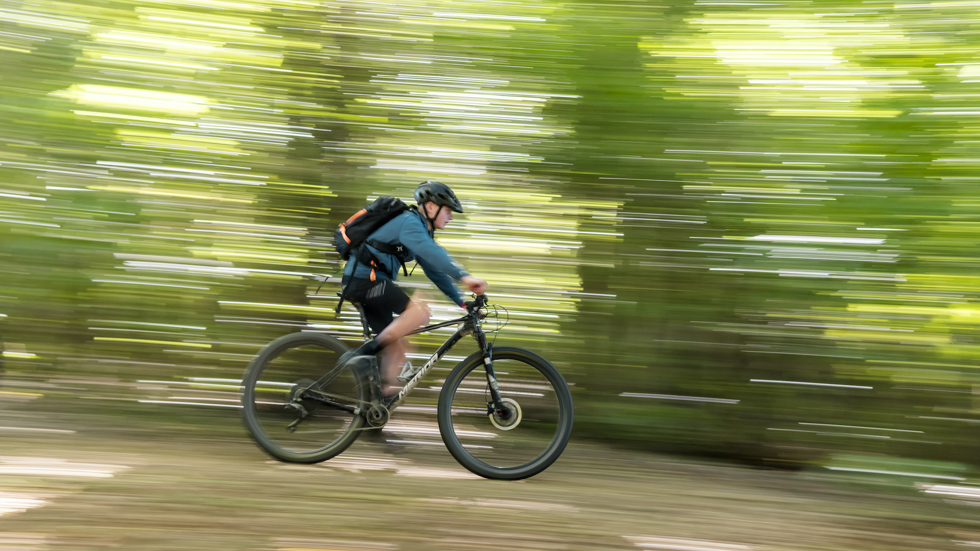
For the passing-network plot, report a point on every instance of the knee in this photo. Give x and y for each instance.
(416, 313)
(424, 314)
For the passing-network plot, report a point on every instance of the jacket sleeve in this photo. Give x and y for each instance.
(442, 281)
(437, 264)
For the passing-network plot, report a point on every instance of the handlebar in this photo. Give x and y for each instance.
(474, 305)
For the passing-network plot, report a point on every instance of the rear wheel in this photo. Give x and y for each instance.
(298, 405)
(531, 433)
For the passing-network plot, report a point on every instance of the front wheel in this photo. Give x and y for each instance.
(534, 430)
(298, 405)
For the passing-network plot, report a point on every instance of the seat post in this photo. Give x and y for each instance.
(364, 321)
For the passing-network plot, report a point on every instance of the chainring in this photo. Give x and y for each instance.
(377, 415)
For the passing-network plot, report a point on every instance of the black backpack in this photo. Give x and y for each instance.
(356, 230)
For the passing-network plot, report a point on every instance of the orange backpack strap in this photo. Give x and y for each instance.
(355, 216)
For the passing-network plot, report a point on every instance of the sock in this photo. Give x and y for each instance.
(370, 348)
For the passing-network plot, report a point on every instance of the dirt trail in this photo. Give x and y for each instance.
(79, 482)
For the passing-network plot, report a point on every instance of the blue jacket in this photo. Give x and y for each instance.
(409, 229)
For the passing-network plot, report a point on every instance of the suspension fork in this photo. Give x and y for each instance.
(496, 405)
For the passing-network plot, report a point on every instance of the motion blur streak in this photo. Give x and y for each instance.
(740, 229)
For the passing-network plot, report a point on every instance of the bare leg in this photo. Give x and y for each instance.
(393, 340)
(391, 364)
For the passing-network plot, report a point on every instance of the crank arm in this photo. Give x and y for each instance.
(303, 414)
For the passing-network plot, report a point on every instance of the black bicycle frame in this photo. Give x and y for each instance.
(469, 324)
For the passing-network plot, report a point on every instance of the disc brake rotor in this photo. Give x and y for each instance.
(510, 422)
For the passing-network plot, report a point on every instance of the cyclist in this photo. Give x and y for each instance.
(410, 236)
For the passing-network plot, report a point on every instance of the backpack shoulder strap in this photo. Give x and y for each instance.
(397, 251)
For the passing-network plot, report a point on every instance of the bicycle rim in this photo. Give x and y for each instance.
(288, 371)
(518, 447)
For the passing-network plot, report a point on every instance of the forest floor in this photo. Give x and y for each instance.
(97, 481)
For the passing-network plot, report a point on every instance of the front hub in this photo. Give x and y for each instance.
(508, 416)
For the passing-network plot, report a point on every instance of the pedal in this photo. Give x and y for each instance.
(298, 407)
(408, 371)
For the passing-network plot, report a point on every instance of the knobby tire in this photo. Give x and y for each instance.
(265, 394)
(546, 375)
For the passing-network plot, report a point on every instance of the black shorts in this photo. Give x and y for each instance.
(381, 300)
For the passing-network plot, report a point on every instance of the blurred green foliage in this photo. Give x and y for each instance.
(742, 229)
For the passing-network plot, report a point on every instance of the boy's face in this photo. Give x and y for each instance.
(444, 217)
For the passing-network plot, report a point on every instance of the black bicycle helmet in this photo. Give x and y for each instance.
(439, 193)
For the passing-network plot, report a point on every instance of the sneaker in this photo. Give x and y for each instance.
(363, 365)
(369, 348)
(365, 369)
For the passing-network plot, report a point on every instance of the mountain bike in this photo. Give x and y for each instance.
(503, 412)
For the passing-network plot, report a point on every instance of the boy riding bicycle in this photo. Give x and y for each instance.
(370, 274)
